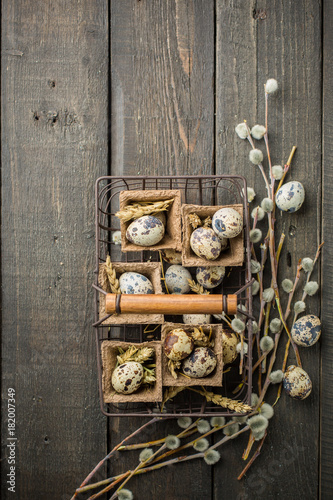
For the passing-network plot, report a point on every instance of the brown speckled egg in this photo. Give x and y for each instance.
(178, 344)
(205, 243)
(210, 277)
(227, 222)
(296, 382)
(171, 256)
(127, 377)
(197, 319)
(229, 344)
(306, 330)
(145, 231)
(200, 363)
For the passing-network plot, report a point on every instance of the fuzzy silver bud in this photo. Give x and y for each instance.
(230, 430)
(211, 457)
(287, 285)
(266, 411)
(277, 172)
(299, 306)
(311, 288)
(268, 294)
(258, 131)
(271, 86)
(255, 287)
(238, 325)
(241, 131)
(258, 211)
(217, 421)
(267, 205)
(239, 347)
(255, 267)
(275, 325)
(276, 377)
(203, 426)
(256, 156)
(266, 343)
(307, 264)
(250, 194)
(255, 235)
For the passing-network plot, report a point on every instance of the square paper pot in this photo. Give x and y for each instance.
(145, 394)
(214, 379)
(172, 237)
(152, 271)
(234, 253)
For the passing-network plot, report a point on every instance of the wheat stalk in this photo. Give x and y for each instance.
(170, 393)
(201, 339)
(173, 366)
(207, 222)
(217, 399)
(112, 277)
(127, 355)
(194, 220)
(136, 210)
(196, 288)
(143, 354)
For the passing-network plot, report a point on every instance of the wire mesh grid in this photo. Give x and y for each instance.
(199, 190)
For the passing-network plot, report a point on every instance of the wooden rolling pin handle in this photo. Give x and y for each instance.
(170, 304)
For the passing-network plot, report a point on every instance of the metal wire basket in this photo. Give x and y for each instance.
(200, 190)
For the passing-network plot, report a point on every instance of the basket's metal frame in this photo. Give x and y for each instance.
(107, 188)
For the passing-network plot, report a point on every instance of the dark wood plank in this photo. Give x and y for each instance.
(162, 123)
(282, 41)
(326, 486)
(54, 145)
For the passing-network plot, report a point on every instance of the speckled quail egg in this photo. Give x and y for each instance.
(176, 279)
(131, 282)
(227, 222)
(161, 216)
(200, 363)
(210, 277)
(178, 344)
(197, 319)
(229, 343)
(290, 196)
(306, 330)
(145, 231)
(171, 256)
(296, 382)
(205, 243)
(127, 377)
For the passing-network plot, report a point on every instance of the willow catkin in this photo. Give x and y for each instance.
(136, 210)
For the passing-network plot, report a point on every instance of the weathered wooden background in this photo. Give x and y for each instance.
(93, 87)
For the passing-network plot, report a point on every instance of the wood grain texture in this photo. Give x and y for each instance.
(54, 145)
(326, 465)
(162, 123)
(279, 40)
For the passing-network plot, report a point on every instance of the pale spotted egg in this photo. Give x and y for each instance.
(171, 256)
(131, 282)
(145, 231)
(178, 344)
(200, 363)
(210, 277)
(197, 319)
(176, 279)
(205, 243)
(227, 223)
(127, 377)
(290, 196)
(306, 330)
(297, 383)
(229, 344)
